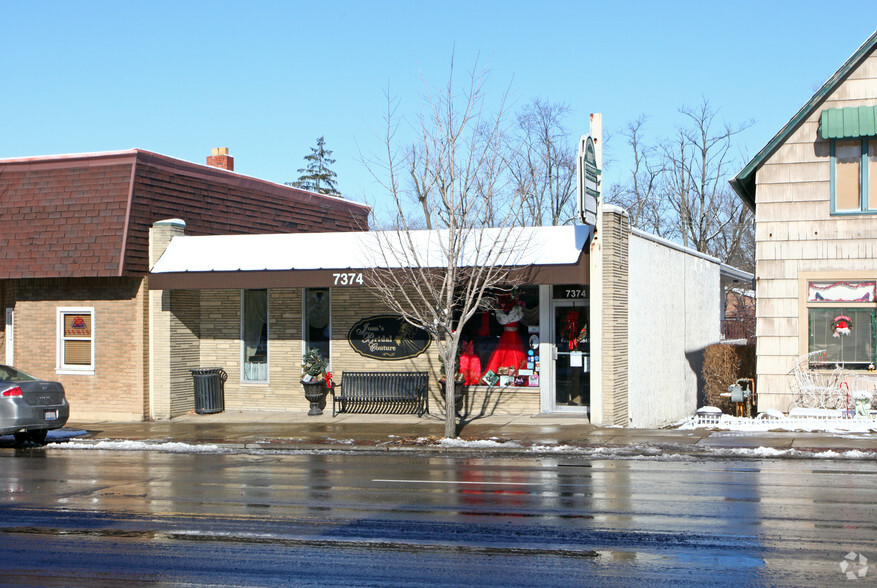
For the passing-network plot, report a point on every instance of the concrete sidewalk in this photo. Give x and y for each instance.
(298, 431)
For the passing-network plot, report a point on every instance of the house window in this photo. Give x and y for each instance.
(844, 336)
(317, 326)
(75, 340)
(254, 335)
(854, 176)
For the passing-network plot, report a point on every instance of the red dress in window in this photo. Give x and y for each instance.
(510, 352)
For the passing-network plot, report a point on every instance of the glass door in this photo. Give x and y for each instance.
(572, 362)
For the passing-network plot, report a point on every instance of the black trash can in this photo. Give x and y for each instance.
(209, 390)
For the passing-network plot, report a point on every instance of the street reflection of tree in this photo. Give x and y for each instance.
(320, 486)
(549, 490)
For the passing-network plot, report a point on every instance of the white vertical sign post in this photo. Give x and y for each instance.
(594, 166)
(588, 171)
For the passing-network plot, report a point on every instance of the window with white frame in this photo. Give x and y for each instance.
(254, 335)
(75, 340)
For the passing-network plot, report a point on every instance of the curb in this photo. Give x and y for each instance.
(571, 451)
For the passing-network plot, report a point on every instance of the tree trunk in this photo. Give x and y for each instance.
(449, 355)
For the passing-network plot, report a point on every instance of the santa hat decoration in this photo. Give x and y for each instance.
(842, 325)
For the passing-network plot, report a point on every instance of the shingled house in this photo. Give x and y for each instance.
(813, 188)
(74, 255)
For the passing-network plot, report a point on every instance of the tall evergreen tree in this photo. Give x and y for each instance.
(316, 176)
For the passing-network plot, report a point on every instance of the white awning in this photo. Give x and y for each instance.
(188, 259)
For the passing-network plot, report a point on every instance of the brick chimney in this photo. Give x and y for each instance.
(220, 158)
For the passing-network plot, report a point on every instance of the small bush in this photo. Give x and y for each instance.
(723, 365)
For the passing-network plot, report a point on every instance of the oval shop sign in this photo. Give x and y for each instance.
(387, 338)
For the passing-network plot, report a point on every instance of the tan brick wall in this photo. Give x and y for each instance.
(116, 391)
(616, 237)
(185, 328)
(220, 346)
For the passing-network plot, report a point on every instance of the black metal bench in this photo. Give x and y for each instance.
(381, 392)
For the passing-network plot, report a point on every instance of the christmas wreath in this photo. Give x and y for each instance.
(842, 325)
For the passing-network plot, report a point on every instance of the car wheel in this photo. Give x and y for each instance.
(38, 437)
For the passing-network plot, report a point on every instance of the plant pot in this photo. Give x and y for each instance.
(315, 393)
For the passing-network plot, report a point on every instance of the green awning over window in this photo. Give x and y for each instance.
(855, 121)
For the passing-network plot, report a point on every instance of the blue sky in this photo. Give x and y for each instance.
(267, 78)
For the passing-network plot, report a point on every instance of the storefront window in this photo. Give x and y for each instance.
(500, 345)
(254, 327)
(317, 326)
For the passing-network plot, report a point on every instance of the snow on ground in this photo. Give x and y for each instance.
(763, 425)
(476, 444)
(668, 452)
(142, 446)
(646, 452)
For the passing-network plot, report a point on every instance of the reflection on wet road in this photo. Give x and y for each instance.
(76, 517)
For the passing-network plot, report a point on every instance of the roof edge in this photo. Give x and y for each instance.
(178, 165)
(744, 182)
(232, 177)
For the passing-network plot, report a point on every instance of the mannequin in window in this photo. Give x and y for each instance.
(510, 352)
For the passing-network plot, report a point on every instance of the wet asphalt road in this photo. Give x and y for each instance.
(87, 517)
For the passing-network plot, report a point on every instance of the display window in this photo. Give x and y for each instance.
(499, 346)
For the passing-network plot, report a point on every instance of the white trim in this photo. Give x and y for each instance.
(676, 246)
(267, 380)
(595, 259)
(555, 353)
(359, 250)
(10, 336)
(60, 366)
(546, 351)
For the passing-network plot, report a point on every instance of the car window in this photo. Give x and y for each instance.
(14, 375)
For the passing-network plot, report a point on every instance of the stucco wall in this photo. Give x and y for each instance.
(675, 310)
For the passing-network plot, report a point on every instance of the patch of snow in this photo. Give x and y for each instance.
(477, 444)
(772, 413)
(709, 410)
(142, 446)
(340, 441)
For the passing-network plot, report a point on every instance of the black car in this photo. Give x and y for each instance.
(29, 406)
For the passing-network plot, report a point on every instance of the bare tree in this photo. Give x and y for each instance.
(698, 164)
(735, 245)
(679, 189)
(639, 195)
(543, 169)
(437, 279)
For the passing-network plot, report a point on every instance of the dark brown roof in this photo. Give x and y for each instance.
(89, 215)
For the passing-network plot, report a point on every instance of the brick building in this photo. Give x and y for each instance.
(74, 256)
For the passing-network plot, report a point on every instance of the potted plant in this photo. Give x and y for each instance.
(316, 380)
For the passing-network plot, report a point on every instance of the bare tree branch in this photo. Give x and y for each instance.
(438, 279)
